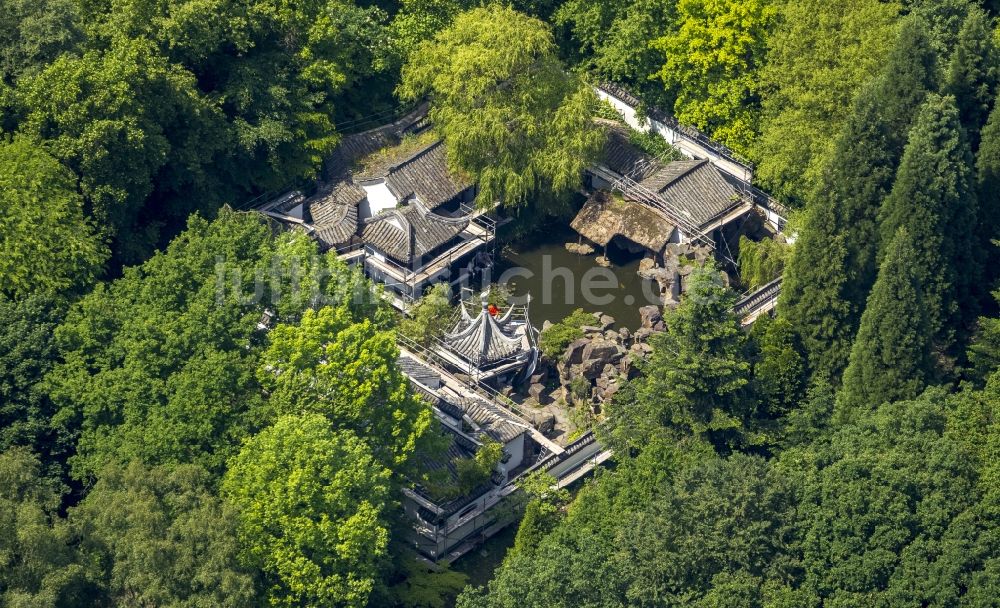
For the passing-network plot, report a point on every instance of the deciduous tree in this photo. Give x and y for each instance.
(346, 370)
(40, 565)
(712, 56)
(509, 112)
(614, 40)
(429, 317)
(818, 57)
(311, 505)
(34, 33)
(885, 502)
(706, 534)
(27, 353)
(132, 128)
(47, 244)
(160, 365)
(164, 538)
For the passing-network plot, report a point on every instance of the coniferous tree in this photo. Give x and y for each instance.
(910, 72)
(944, 19)
(890, 359)
(694, 381)
(869, 148)
(988, 190)
(934, 200)
(984, 349)
(856, 179)
(972, 73)
(779, 376)
(812, 293)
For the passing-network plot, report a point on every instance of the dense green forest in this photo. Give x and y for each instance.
(160, 445)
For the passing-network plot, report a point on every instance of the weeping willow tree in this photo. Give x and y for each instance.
(511, 113)
(761, 261)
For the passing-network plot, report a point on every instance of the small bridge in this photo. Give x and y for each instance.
(759, 302)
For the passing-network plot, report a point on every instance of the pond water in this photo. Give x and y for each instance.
(560, 282)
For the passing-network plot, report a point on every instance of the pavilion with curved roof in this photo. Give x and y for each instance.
(489, 345)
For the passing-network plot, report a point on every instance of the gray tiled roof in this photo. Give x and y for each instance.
(484, 415)
(417, 371)
(284, 203)
(695, 187)
(458, 448)
(353, 147)
(334, 213)
(424, 174)
(410, 231)
(619, 154)
(489, 421)
(667, 174)
(482, 340)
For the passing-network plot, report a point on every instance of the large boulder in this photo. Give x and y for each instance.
(608, 375)
(607, 322)
(538, 392)
(541, 377)
(603, 350)
(579, 248)
(573, 355)
(611, 390)
(642, 348)
(544, 422)
(642, 334)
(650, 316)
(590, 369)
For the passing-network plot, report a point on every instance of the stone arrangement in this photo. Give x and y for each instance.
(593, 368)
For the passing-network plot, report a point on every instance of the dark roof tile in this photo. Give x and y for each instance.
(424, 174)
(695, 188)
(410, 231)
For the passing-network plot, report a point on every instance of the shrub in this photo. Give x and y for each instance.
(761, 261)
(557, 337)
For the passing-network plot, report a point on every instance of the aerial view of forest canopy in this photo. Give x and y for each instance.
(238, 367)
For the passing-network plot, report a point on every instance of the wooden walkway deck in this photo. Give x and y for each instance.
(453, 387)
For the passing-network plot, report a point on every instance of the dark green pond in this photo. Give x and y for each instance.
(560, 282)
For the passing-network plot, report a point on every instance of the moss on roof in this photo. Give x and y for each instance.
(378, 162)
